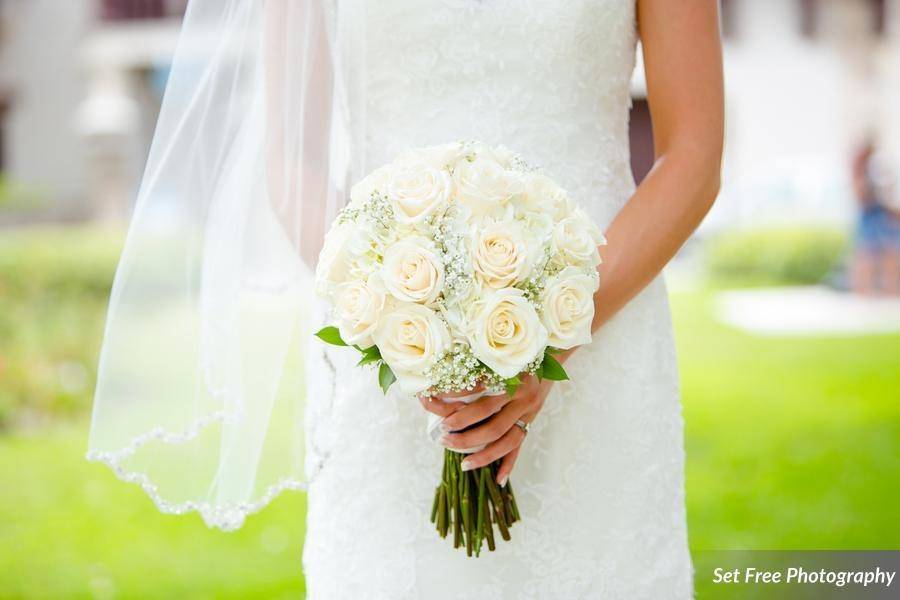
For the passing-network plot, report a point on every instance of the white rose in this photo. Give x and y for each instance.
(499, 154)
(439, 157)
(500, 254)
(507, 334)
(376, 181)
(411, 338)
(351, 251)
(538, 229)
(504, 155)
(416, 190)
(485, 187)
(542, 195)
(568, 308)
(332, 265)
(358, 305)
(577, 239)
(369, 239)
(412, 271)
(461, 310)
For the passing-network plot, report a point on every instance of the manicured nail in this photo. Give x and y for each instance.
(466, 465)
(503, 480)
(445, 440)
(445, 428)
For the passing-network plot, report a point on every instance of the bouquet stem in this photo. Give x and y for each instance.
(471, 503)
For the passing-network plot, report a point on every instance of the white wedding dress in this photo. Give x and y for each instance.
(600, 479)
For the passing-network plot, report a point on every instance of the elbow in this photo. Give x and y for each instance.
(713, 167)
(712, 184)
(700, 168)
(707, 161)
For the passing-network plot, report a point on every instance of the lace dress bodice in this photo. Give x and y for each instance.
(549, 80)
(600, 476)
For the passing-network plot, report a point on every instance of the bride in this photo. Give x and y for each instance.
(209, 396)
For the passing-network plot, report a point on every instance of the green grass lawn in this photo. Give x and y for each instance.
(70, 529)
(792, 443)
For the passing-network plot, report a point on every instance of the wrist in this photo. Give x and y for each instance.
(563, 356)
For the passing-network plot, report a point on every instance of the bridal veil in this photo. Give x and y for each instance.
(200, 391)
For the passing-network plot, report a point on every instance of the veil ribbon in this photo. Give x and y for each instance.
(200, 391)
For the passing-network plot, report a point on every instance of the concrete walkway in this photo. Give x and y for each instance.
(807, 311)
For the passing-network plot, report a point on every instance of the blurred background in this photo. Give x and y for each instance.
(785, 302)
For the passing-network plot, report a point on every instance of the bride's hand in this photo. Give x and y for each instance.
(499, 431)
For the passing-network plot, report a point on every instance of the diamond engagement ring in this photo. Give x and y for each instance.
(522, 425)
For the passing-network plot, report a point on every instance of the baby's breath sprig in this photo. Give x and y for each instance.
(379, 210)
(452, 247)
(376, 209)
(520, 165)
(458, 369)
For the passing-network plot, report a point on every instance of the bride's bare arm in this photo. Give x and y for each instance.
(683, 61)
(683, 64)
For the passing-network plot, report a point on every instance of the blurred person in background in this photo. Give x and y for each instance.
(876, 260)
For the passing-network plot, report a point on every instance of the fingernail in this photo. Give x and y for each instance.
(445, 440)
(445, 428)
(503, 480)
(466, 465)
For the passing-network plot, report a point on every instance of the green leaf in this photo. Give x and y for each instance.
(512, 384)
(552, 350)
(367, 360)
(369, 355)
(551, 369)
(331, 335)
(386, 377)
(539, 372)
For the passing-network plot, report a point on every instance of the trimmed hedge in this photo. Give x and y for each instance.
(776, 256)
(54, 286)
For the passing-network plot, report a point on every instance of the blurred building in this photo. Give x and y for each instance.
(80, 86)
(807, 81)
(81, 81)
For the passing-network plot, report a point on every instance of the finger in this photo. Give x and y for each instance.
(489, 431)
(438, 407)
(475, 412)
(507, 464)
(502, 447)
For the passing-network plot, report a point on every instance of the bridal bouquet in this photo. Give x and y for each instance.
(459, 267)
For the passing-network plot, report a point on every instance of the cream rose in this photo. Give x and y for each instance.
(351, 252)
(499, 154)
(500, 255)
(507, 334)
(411, 338)
(376, 181)
(542, 195)
(568, 308)
(485, 187)
(358, 306)
(416, 190)
(439, 157)
(412, 271)
(332, 266)
(577, 239)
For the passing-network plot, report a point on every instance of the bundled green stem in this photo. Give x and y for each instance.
(471, 503)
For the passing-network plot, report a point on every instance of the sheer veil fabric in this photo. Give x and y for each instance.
(199, 399)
